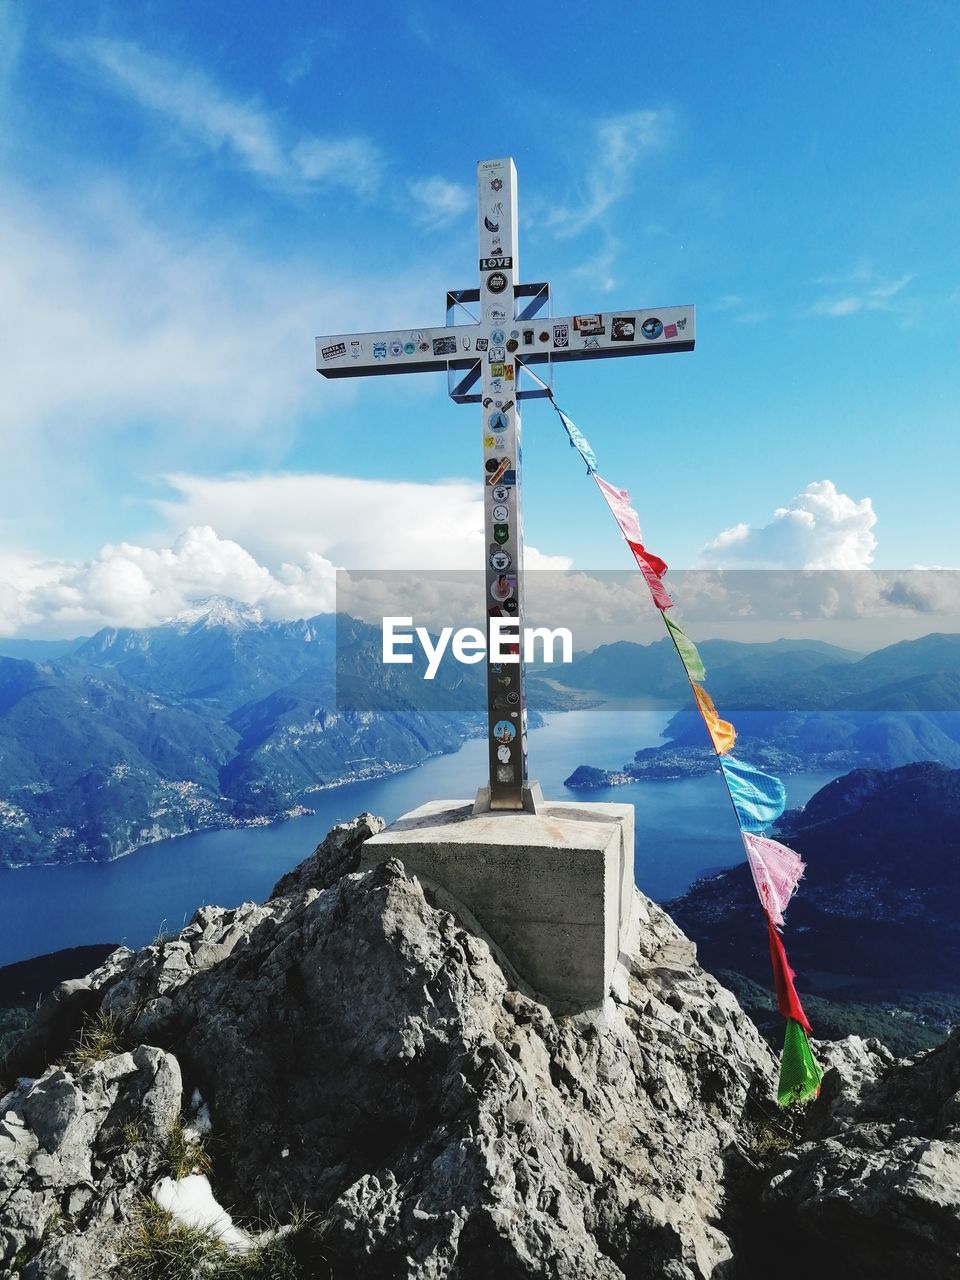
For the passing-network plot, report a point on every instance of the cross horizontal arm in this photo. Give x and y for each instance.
(624, 332)
(355, 355)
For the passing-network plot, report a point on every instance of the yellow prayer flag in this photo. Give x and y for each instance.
(722, 733)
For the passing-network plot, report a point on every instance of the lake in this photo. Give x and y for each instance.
(683, 829)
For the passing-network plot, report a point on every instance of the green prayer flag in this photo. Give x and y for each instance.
(799, 1074)
(687, 650)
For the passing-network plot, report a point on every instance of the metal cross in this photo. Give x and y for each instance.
(514, 330)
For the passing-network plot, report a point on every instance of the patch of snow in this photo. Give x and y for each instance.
(216, 611)
(200, 1123)
(190, 1202)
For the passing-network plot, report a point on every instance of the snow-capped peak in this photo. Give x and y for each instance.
(217, 611)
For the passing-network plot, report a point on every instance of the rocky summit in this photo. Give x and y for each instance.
(355, 1075)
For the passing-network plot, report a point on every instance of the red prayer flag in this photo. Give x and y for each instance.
(645, 557)
(653, 569)
(788, 1002)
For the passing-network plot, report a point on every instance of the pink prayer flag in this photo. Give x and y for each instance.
(776, 872)
(618, 500)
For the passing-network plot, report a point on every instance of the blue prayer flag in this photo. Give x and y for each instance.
(759, 798)
(579, 441)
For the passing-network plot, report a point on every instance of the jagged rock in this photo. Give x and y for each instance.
(364, 1056)
(69, 1171)
(338, 853)
(877, 1192)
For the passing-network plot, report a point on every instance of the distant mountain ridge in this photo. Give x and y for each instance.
(213, 719)
(900, 705)
(877, 914)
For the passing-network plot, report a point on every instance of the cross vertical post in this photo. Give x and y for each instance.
(498, 239)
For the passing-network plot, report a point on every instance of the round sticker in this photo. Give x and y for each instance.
(511, 605)
(512, 344)
(496, 184)
(496, 282)
(497, 337)
(409, 348)
(500, 512)
(544, 336)
(498, 422)
(651, 328)
(495, 315)
(513, 698)
(503, 754)
(504, 731)
(501, 560)
(501, 493)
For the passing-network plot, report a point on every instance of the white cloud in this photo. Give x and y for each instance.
(272, 541)
(619, 145)
(861, 290)
(364, 524)
(110, 321)
(820, 529)
(135, 586)
(201, 111)
(438, 202)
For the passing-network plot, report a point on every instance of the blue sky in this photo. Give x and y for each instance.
(189, 193)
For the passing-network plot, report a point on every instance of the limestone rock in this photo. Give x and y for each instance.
(876, 1192)
(76, 1149)
(363, 1055)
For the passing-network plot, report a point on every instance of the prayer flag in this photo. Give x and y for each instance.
(788, 1002)
(799, 1074)
(776, 872)
(618, 500)
(759, 798)
(722, 733)
(648, 559)
(687, 651)
(579, 442)
(653, 569)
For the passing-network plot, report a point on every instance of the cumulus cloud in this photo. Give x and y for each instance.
(272, 541)
(619, 144)
(438, 202)
(127, 585)
(368, 524)
(201, 111)
(821, 528)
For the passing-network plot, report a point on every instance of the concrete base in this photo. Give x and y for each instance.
(554, 890)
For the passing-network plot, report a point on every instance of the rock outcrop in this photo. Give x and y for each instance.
(365, 1058)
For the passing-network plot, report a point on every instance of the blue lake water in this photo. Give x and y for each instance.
(683, 829)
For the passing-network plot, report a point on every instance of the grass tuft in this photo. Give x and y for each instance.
(184, 1154)
(157, 1248)
(101, 1037)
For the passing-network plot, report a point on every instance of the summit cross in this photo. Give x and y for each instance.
(514, 330)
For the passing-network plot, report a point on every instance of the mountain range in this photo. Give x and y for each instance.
(796, 705)
(876, 921)
(218, 718)
(213, 719)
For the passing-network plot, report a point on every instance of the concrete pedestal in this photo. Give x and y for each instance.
(554, 889)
